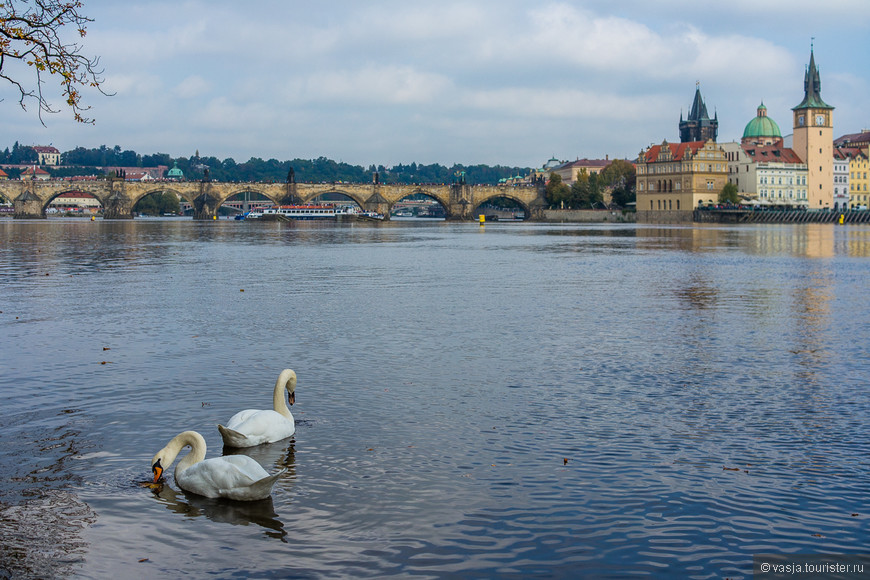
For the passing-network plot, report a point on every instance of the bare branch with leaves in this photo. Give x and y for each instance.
(32, 32)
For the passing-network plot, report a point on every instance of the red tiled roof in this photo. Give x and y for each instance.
(41, 149)
(853, 139)
(587, 163)
(678, 150)
(32, 170)
(771, 153)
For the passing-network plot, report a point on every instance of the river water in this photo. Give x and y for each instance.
(512, 401)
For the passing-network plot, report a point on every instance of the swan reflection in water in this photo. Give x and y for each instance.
(260, 512)
(240, 513)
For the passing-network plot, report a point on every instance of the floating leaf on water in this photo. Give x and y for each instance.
(564, 461)
(106, 348)
(730, 468)
(143, 560)
(370, 449)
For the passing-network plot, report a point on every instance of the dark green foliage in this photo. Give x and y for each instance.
(158, 204)
(558, 193)
(20, 155)
(729, 194)
(621, 176)
(256, 169)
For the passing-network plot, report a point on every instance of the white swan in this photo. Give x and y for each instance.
(254, 427)
(234, 477)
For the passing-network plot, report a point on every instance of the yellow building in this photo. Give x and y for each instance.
(813, 140)
(858, 181)
(571, 170)
(675, 178)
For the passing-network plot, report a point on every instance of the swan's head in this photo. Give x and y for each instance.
(157, 469)
(288, 377)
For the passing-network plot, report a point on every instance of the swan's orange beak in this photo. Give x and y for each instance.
(157, 470)
(291, 397)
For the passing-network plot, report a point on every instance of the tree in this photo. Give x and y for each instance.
(586, 191)
(32, 34)
(557, 191)
(729, 194)
(621, 177)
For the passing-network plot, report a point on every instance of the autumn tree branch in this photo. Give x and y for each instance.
(31, 32)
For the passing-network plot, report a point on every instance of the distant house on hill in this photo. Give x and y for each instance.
(3, 175)
(47, 155)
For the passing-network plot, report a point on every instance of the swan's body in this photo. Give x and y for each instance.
(234, 477)
(253, 427)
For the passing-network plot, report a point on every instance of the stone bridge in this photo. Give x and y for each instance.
(118, 197)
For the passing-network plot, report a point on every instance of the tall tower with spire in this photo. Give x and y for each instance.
(814, 139)
(699, 126)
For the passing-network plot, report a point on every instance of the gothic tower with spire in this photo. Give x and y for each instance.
(699, 126)
(813, 139)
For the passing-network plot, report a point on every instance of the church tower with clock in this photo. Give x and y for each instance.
(813, 140)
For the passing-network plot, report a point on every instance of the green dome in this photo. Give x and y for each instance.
(175, 173)
(761, 126)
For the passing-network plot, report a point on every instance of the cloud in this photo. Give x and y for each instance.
(375, 84)
(192, 87)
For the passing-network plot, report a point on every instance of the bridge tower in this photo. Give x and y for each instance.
(118, 205)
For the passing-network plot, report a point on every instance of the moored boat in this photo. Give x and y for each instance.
(300, 212)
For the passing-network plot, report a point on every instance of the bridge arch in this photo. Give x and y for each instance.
(44, 202)
(506, 194)
(351, 195)
(421, 191)
(146, 192)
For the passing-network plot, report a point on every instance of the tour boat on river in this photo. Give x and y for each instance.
(302, 212)
(309, 212)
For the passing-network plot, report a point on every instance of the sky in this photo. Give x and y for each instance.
(501, 82)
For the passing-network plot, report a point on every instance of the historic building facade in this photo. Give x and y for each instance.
(859, 184)
(570, 171)
(673, 179)
(767, 175)
(47, 155)
(765, 172)
(813, 139)
(841, 178)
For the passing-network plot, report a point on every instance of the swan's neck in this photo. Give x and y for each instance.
(179, 442)
(286, 383)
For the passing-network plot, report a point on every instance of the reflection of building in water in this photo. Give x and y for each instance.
(804, 240)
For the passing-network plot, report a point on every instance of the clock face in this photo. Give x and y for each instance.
(820, 119)
(801, 120)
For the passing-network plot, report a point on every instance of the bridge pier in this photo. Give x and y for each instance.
(205, 205)
(118, 205)
(377, 202)
(28, 206)
(291, 197)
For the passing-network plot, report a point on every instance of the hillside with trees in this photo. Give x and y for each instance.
(97, 161)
